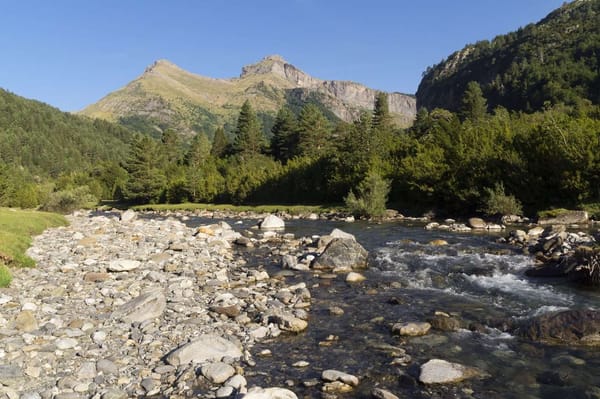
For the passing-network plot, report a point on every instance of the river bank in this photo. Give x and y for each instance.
(120, 304)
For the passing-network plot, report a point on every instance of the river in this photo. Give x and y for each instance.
(474, 279)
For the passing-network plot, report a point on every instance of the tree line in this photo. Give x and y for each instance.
(474, 160)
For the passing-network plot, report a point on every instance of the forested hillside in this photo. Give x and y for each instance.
(43, 149)
(554, 61)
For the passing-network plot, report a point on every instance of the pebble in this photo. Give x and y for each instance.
(123, 304)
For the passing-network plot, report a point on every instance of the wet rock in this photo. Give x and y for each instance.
(342, 254)
(570, 327)
(354, 277)
(270, 393)
(336, 387)
(437, 371)
(477, 223)
(272, 222)
(146, 306)
(337, 233)
(206, 348)
(288, 322)
(438, 243)
(379, 393)
(444, 322)
(217, 373)
(335, 375)
(412, 329)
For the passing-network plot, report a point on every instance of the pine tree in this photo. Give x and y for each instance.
(249, 139)
(383, 125)
(284, 140)
(171, 147)
(146, 178)
(199, 151)
(314, 131)
(220, 144)
(474, 104)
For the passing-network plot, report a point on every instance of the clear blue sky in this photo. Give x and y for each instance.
(70, 53)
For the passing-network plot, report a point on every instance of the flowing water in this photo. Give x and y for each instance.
(473, 278)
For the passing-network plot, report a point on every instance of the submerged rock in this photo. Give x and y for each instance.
(270, 393)
(570, 327)
(437, 371)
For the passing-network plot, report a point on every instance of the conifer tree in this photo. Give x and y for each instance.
(474, 104)
(284, 140)
(249, 139)
(220, 144)
(383, 125)
(146, 178)
(199, 151)
(314, 131)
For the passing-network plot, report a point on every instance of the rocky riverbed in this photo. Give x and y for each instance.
(122, 307)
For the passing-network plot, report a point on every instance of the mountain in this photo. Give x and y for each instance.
(556, 60)
(48, 142)
(166, 96)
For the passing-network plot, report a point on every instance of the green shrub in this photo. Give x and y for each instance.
(498, 203)
(5, 276)
(371, 197)
(68, 200)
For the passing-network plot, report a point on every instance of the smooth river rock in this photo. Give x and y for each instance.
(437, 371)
(123, 265)
(270, 393)
(343, 255)
(272, 222)
(146, 306)
(206, 348)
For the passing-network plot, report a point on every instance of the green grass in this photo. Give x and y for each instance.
(291, 209)
(16, 230)
(551, 213)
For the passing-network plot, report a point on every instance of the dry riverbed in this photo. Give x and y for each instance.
(121, 307)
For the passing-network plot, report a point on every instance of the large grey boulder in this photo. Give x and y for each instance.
(146, 306)
(207, 348)
(477, 223)
(272, 222)
(342, 255)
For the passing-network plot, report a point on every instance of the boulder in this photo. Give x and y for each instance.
(343, 254)
(535, 231)
(206, 348)
(444, 323)
(337, 233)
(288, 322)
(437, 371)
(146, 306)
(354, 277)
(269, 393)
(566, 217)
(477, 223)
(272, 222)
(569, 327)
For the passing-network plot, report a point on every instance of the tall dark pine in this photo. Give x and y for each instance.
(171, 147)
(220, 144)
(249, 138)
(383, 124)
(146, 178)
(285, 139)
(314, 131)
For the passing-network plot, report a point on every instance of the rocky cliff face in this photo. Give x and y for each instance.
(166, 96)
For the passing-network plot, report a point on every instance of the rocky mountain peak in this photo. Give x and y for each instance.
(278, 66)
(160, 64)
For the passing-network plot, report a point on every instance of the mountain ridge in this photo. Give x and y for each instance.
(167, 96)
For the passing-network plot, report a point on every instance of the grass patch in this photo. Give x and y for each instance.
(291, 209)
(593, 209)
(16, 229)
(551, 213)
